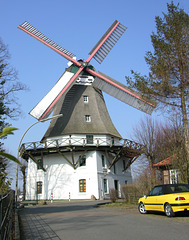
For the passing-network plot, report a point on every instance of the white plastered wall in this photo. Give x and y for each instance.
(61, 178)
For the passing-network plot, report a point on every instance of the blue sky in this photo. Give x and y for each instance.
(76, 26)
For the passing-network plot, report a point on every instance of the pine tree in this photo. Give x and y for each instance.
(168, 80)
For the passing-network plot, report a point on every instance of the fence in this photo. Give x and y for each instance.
(6, 215)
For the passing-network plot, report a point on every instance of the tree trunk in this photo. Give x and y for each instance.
(186, 131)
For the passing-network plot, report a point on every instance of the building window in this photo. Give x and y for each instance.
(116, 185)
(124, 165)
(103, 161)
(85, 99)
(82, 185)
(89, 139)
(105, 186)
(87, 118)
(115, 169)
(174, 176)
(39, 187)
(40, 161)
(82, 161)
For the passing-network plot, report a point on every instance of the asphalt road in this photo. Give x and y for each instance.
(83, 221)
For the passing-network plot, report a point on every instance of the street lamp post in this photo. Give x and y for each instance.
(18, 153)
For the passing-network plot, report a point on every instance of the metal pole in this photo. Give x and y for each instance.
(43, 120)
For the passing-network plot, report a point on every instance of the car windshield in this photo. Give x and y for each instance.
(176, 188)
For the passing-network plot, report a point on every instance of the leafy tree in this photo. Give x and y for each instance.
(4, 181)
(168, 78)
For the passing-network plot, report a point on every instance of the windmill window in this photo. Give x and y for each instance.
(103, 161)
(89, 139)
(40, 162)
(39, 187)
(87, 118)
(124, 165)
(85, 99)
(115, 171)
(82, 161)
(82, 185)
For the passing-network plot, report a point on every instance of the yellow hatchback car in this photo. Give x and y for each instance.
(168, 198)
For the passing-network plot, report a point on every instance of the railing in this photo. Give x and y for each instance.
(6, 214)
(56, 143)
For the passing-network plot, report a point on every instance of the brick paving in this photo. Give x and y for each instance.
(32, 227)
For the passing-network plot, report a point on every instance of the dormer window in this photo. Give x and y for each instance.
(85, 99)
(87, 118)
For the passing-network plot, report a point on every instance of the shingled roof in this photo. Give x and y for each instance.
(74, 110)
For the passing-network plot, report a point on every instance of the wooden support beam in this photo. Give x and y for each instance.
(80, 157)
(71, 163)
(129, 162)
(33, 158)
(72, 156)
(107, 156)
(115, 159)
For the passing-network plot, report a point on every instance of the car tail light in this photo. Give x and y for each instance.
(179, 198)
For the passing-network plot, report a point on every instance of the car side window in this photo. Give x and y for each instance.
(156, 191)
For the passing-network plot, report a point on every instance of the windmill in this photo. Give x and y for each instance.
(99, 52)
(81, 79)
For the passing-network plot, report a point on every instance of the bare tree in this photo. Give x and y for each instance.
(9, 108)
(161, 141)
(145, 133)
(8, 85)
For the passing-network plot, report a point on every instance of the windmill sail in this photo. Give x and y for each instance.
(44, 107)
(102, 82)
(106, 43)
(123, 93)
(29, 29)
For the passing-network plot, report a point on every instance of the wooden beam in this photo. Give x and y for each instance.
(72, 156)
(80, 157)
(32, 157)
(107, 156)
(71, 163)
(115, 159)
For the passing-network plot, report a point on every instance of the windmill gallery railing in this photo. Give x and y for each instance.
(64, 142)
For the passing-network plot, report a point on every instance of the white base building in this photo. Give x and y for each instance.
(88, 171)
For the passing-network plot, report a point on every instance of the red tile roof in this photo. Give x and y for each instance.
(167, 161)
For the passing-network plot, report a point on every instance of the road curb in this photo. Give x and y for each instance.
(17, 227)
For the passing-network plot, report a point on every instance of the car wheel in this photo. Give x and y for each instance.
(141, 208)
(169, 211)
